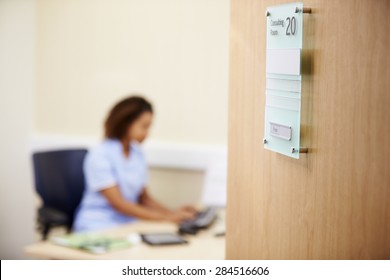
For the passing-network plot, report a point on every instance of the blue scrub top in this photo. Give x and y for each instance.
(104, 167)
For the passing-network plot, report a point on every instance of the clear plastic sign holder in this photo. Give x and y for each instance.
(284, 79)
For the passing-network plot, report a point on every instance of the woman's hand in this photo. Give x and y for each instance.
(180, 215)
(189, 209)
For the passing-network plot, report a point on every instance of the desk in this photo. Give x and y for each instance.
(204, 245)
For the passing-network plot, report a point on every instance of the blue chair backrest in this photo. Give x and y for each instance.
(59, 179)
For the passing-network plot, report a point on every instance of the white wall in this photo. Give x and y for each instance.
(91, 53)
(16, 87)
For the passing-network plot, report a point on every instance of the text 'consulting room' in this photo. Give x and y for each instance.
(224, 135)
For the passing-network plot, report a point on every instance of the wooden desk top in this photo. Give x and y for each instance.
(204, 245)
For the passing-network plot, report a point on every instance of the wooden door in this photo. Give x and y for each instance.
(334, 202)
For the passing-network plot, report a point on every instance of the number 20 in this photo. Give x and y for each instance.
(292, 24)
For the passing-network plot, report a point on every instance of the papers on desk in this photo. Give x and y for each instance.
(94, 243)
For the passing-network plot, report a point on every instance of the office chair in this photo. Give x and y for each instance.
(59, 181)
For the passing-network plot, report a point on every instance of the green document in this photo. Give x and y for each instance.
(92, 243)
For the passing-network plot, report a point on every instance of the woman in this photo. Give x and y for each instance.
(116, 174)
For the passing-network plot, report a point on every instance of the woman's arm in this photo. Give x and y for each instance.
(147, 200)
(116, 200)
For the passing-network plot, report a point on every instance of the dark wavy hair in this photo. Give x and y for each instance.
(123, 114)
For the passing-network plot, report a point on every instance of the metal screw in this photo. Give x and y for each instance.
(303, 150)
(267, 13)
(293, 150)
(303, 10)
(265, 141)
